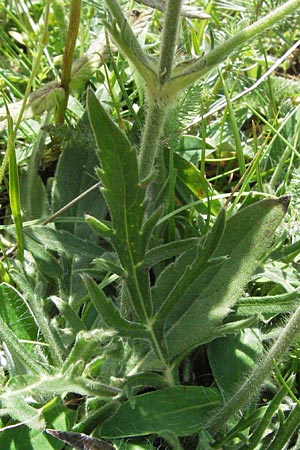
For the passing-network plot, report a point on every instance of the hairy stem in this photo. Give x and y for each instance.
(205, 63)
(126, 39)
(169, 39)
(150, 142)
(253, 384)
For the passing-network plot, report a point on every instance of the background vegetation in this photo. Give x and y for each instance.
(149, 230)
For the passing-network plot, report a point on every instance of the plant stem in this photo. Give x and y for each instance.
(159, 104)
(254, 383)
(207, 62)
(74, 21)
(127, 40)
(156, 115)
(169, 39)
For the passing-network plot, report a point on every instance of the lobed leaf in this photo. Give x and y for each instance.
(212, 294)
(120, 178)
(125, 196)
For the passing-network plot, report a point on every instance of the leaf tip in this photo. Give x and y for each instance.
(285, 201)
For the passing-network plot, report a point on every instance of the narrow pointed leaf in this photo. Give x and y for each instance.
(99, 227)
(110, 313)
(16, 314)
(17, 407)
(109, 266)
(231, 358)
(190, 176)
(169, 250)
(74, 175)
(268, 305)
(176, 280)
(62, 241)
(148, 227)
(215, 234)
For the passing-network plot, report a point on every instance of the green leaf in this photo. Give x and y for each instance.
(86, 346)
(268, 305)
(214, 236)
(22, 437)
(108, 266)
(62, 241)
(190, 148)
(144, 379)
(75, 173)
(69, 314)
(191, 177)
(18, 408)
(21, 388)
(17, 349)
(177, 278)
(51, 338)
(149, 225)
(120, 178)
(14, 186)
(181, 410)
(169, 250)
(45, 260)
(99, 227)
(286, 253)
(139, 446)
(212, 294)
(110, 314)
(231, 358)
(125, 196)
(33, 196)
(96, 417)
(15, 312)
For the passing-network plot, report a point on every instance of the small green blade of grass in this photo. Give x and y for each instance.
(14, 187)
(235, 129)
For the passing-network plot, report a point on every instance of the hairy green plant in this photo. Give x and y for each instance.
(117, 306)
